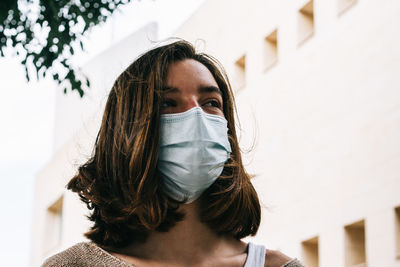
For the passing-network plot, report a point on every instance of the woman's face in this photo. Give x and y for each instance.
(190, 84)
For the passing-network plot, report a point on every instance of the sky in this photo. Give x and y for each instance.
(27, 118)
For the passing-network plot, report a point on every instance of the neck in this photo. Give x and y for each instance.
(188, 241)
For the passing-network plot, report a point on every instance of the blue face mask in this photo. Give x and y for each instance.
(193, 149)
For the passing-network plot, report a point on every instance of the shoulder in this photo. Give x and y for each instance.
(84, 254)
(76, 255)
(274, 258)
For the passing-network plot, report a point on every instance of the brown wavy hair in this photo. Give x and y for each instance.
(120, 183)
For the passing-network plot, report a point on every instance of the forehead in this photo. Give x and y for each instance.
(189, 73)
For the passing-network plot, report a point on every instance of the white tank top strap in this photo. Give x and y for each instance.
(255, 256)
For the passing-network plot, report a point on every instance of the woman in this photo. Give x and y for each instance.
(166, 185)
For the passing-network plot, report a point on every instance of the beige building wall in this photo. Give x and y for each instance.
(319, 92)
(317, 89)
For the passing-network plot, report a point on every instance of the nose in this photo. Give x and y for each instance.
(189, 103)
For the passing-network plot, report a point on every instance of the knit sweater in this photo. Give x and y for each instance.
(88, 254)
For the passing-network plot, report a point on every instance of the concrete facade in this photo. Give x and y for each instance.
(317, 91)
(322, 102)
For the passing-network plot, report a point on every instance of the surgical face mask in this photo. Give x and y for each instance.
(193, 149)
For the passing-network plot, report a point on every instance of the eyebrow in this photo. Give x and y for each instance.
(203, 89)
(210, 89)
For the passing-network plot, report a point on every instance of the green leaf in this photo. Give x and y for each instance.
(52, 14)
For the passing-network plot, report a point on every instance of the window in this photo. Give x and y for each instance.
(397, 229)
(344, 5)
(53, 225)
(271, 49)
(310, 252)
(355, 245)
(240, 72)
(305, 22)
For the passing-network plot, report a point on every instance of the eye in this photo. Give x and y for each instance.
(212, 103)
(166, 103)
